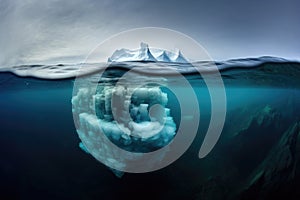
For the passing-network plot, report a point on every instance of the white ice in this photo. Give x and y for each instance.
(135, 131)
(147, 54)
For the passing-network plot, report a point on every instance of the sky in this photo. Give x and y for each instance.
(37, 32)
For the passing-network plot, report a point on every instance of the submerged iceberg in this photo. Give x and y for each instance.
(136, 120)
(146, 54)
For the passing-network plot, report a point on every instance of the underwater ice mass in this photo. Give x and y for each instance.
(136, 120)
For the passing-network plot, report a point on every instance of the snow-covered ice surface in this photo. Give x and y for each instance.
(147, 54)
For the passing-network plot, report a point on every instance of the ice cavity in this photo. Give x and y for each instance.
(147, 54)
(143, 121)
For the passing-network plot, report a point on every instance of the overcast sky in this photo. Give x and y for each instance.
(35, 31)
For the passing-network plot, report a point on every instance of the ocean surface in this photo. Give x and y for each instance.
(256, 157)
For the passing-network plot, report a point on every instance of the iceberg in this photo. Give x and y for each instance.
(146, 54)
(136, 120)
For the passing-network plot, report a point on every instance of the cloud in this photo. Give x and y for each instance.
(33, 31)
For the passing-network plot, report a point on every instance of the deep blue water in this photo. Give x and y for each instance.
(257, 155)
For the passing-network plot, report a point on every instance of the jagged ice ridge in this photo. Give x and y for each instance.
(147, 54)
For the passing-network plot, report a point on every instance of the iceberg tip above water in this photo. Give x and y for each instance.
(146, 54)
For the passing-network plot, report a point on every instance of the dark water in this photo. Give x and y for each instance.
(257, 156)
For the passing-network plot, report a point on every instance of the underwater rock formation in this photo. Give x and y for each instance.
(259, 157)
(278, 168)
(213, 188)
(258, 128)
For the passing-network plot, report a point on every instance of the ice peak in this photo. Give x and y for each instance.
(164, 57)
(144, 54)
(144, 45)
(147, 55)
(179, 57)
